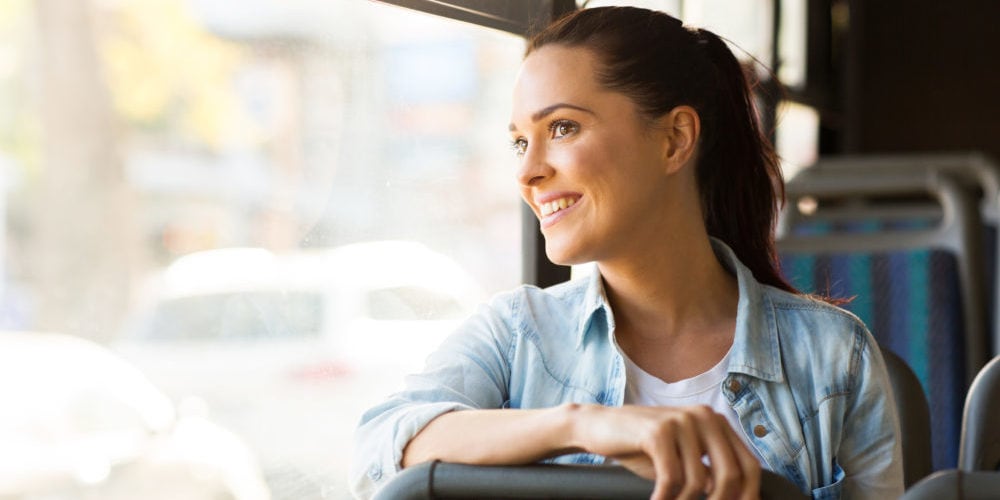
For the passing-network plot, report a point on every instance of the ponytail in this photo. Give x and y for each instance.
(739, 176)
(650, 57)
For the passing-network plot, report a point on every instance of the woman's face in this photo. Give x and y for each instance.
(591, 168)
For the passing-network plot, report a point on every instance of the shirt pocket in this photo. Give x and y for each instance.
(832, 490)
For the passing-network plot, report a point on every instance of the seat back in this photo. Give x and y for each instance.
(454, 481)
(975, 171)
(916, 279)
(980, 445)
(955, 484)
(914, 418)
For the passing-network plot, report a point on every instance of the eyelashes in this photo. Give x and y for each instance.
(558, 129)
(519, 146)
(563, 127)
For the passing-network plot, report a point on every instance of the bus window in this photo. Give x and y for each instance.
(272, 211)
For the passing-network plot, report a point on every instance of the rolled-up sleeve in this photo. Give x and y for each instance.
(871, 452)
(470, 370)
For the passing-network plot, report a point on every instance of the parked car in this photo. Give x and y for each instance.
(78, 422)
(288, 349)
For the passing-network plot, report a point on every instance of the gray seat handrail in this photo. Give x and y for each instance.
(979, 448)
(947, 233)
(432, 480)
(972, 166)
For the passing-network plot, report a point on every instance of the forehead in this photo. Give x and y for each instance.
(552, 74)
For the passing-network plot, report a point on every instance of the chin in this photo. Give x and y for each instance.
(564, 255)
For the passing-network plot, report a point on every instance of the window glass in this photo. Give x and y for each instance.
(746, 23)
(797, 138)
(672, 7)
(241, 316)
(412, 303)
(274, 210)
(792, 43)
(94, 412)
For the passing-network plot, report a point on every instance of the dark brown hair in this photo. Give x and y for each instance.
(651, 58)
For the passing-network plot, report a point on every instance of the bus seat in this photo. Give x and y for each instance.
(453, 481)
(980, 445)
(955, 484)
(974, 170)
(914, 418)
(914, 272)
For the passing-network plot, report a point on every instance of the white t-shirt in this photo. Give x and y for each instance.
(644, 389)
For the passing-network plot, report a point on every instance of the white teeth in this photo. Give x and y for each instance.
(557, 205)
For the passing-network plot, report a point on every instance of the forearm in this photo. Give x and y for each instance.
(493, 437)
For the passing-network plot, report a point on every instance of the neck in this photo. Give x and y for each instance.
(671, 291)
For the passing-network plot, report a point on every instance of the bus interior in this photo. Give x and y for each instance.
(228, 228)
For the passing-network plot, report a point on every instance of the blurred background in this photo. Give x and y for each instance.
(227, 228)
(273, 210)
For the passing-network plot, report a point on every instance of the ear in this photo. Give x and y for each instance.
(682, 128)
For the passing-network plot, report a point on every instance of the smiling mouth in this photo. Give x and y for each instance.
(554, 206)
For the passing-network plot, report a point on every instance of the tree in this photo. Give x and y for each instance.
(83, 235)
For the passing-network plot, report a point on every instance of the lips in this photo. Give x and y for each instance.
(552, 207)
(556, 205)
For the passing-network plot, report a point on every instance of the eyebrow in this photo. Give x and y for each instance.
(548, 110)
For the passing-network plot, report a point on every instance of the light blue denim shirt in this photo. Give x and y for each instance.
(805, 378)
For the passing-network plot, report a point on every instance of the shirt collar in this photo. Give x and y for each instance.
(755, 351)
(594, 301)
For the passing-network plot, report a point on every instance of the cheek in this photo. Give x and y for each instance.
(526, 194)
(583, 161)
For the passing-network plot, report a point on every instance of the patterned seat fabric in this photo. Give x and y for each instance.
(911, 301)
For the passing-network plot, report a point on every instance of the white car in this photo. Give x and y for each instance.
(288, 349)
(76, 421)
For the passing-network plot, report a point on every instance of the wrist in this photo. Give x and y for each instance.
(573, 418)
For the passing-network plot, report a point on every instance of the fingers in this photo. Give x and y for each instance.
(670, 445)
(662, 450)
(690, 447)
(749, 466)
(698, 432)
(726, 469)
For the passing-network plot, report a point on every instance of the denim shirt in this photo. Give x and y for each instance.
(805, 378)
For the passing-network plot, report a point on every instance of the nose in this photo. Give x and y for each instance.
(534, 167)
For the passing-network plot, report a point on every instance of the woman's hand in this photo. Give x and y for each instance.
(667, 445)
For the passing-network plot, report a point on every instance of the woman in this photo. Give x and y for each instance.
(686, 357)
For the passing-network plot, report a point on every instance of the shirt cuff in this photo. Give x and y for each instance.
(386, 462)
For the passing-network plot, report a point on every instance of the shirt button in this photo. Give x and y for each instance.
(760, 431)
(734, 385)
(375, 473)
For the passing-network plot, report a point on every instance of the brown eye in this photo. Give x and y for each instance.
(520, 146)
(562, 128)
